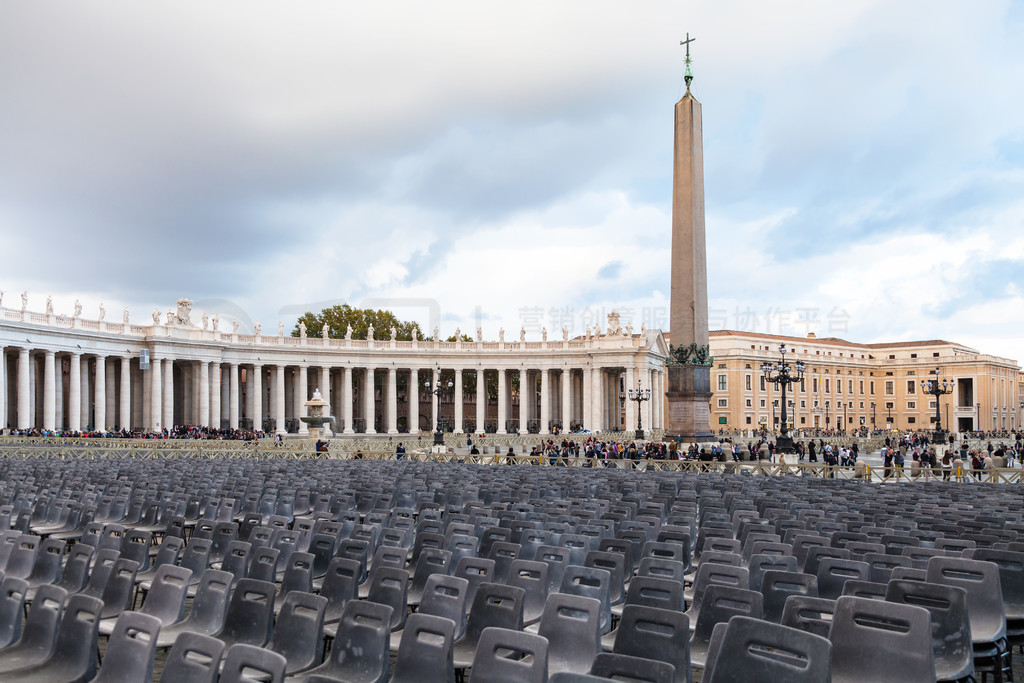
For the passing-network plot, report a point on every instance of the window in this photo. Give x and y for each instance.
(748, 419)
(763, 404)
(871, 384)
(911, 420)
(803, 403)
(750, 404)
(850, 385)
(913, 355)
(890, 387)
(762, 382)
(861, 387)
(827, 390)
(723, 403)
(723, 382)
(889, 405)
(747, 383)
(932, 405)
(723, 420)
(839, 386)
(911, 405)
(721, 366)
(892, 356)
(862, 405)
(803, 420)
(814, 385)
(935, 355)
(911, 386)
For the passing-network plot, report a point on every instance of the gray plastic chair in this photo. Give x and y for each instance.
(721, 603)
(760, 563)
(118, 593)
(590, 582)
(657, 634)
(298, 576)
(195, 658)
(951, 627)
(242, 661)
(299, 632)
(22, 556)
(339, 586)
(362, 655)
(209, 608)
(47, 566)
(250, 616)
(752, 650)
(777, 586)
(165, 600)
(531, 576)
(12, 602)
(130, 651)
(388, 586)
(425, 654)
(571, 624)
(74, 654)
(39, 632)
(505, 655)
(75, 574)
(897, 636)
(430, 561)
(494, 605)
(834, 572)
(709, 574)
(445, 596)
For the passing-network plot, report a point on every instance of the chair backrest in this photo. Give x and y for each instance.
(22, 557)
(194, 658)
(864, 589)
(236, 559)
(557, 559)
(898, 636)
(197, 555)
(721, 603)
(363, 654)
(590, 582)
(130, 650)
(531, 576)
(816, 554)
(245, 663)
(654, 567)
(571, 623)
(210, 605)
(446, 596)
(136, 547)
(298, 574)
(654, 592)
(751, 649)
(250, 615)
(777, 586)
(615, 565)
(341, 584)
(504, 553)
(12, 601)
(761, 563)
(657, 634)
(425, 654)
(167, 594)
(390, 586)
(708, 574)
(834, 572)
(47, 565)
(119, 590)
(881, 565)
(951, 627)
(495, 605)
(299, 632)
(476, 570)
(809, 613)
(1011, 577)
(75, 650)
(509, 655)
(263, 564)
(909, 573)
(613, 666)
(984, 593)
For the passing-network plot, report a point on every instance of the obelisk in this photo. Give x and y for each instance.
(689, 373)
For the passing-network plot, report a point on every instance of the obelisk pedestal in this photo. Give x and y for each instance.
(689, 410)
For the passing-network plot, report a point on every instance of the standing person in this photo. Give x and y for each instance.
(812, 456)
(400, 451)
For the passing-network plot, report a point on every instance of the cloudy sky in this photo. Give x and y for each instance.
(508, 164)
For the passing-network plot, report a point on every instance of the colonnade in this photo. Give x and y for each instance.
(78, 390)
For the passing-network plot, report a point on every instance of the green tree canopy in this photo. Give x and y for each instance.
(340, 317)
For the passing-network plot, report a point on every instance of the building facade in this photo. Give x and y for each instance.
(849, 385)
(61, 372)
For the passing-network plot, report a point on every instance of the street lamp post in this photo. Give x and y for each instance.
(779, 375)
(639, 395)
(932, 387)
(437, 391)
(872, 415)
(888, 415)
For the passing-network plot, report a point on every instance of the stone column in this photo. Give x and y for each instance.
(458, 401)
(325, 393)
(414, 401)
(392, 409)
(435, 401)
(49, 391)
(525, 400)
(481, 400)
(58, 394)
(233, 394)
(346, 399)
(215, 404)
(3, 389)
(566, 399)
(125, 398)
(204, 394)
(75, 393)
(370, 402)
(301, 396)
(598, 405)
(86, 394)
(100, 395)
(257, 397)
(279, 400)
(503, 402)
(545, 400)
(156, 395)
(24, 419)
(588, 399)
(110, 405)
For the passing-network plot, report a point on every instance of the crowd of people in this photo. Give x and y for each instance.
(176, 432)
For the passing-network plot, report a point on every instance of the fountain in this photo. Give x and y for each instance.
(316, 418)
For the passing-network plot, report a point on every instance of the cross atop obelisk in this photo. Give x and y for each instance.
(687, 74)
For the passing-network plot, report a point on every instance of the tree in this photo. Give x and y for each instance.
(341, 316)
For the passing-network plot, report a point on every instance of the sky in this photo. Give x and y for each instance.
(508, 165)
